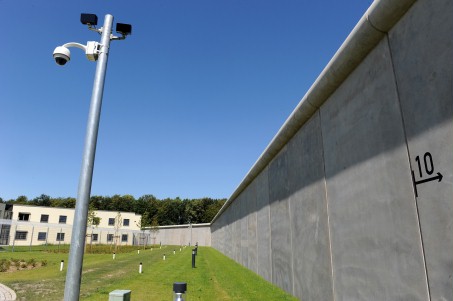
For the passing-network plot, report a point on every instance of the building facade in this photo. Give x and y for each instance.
(25, 225)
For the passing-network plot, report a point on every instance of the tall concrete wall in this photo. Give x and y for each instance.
(346, 203)
(181, 235)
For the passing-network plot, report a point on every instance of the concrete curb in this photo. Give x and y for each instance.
(7, 294)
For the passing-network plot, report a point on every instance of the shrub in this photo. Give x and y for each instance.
(15, 260)
(31, 262)
(4, 265)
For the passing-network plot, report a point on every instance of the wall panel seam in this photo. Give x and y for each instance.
(327, 205)
(403, 125)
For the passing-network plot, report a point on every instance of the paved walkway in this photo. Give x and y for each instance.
(6, 294)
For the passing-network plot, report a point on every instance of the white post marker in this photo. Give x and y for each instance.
(140, 268)
(61, 265)
(138, 251)
(174, 251)
(114, 255)
(164, 256)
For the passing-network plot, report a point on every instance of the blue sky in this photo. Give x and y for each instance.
(191, 99)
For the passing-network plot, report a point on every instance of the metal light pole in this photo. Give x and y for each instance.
(79, 228)
(94, 51)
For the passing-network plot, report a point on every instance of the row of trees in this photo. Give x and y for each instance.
(165, 212)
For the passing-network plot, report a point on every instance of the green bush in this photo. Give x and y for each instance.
(31, 262)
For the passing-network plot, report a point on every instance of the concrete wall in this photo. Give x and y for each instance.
(346, 202)
(182, 235)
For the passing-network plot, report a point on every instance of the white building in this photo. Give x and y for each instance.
(36, 225)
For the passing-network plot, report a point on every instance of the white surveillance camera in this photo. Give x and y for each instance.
(62, 55)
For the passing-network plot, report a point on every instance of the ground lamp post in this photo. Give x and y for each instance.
(179, 291)
(95, 52)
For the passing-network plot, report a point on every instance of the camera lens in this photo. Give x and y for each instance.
(60, 61)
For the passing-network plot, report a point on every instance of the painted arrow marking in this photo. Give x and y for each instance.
(438, 177)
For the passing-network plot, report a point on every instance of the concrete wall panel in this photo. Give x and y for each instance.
(263, 232)
(251, 227)
(217, 231)
(280, 223)
(236, 230)
(308, 204)
(220, 237)
(244, 230)
(180, 235)
(376, 245)
(202, 236)
(229, 233)
(422, 70)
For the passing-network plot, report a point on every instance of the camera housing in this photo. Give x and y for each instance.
(62, 55)
(89, 19)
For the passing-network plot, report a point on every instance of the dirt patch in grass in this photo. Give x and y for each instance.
(89, 271)
(43, 288)
(117, 274)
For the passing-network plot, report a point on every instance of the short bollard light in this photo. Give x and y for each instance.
(174, 251)
(114, 255)
(179, 291)
(164, 257)
(61, 265)
(193, 258)
(140, 268)
(138, 251)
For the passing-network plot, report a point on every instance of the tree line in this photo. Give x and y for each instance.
(166, 212)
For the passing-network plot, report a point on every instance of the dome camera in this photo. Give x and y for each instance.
(62, 55)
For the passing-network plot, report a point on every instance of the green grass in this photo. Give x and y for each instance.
(215, 277)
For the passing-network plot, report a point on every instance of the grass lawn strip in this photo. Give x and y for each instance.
(215, 277)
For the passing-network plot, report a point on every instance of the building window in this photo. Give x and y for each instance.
(21, 235)
(109, 237)
(126, 222)
(24, 216)
(42, 235)
(44, 218)
(60, 236)
(94, 237)
(111, 221)
(124, 238)
(62, 219)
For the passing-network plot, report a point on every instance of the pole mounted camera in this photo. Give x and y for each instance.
(89, 19)
(62, 55)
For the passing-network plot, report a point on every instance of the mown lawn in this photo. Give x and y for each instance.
(216, 277)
